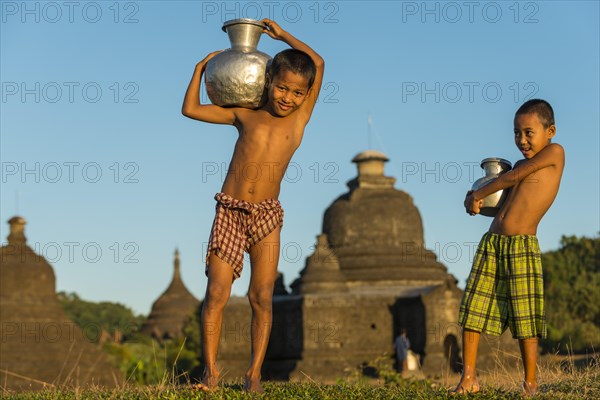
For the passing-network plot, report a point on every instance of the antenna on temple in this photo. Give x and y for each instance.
(369, 123)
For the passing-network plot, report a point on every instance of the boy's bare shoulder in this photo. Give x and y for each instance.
(260, 116)
(245, 115)
(557, 153)
(556, 149)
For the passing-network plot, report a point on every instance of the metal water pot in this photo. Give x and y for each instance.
(493, 168)
(236, 76)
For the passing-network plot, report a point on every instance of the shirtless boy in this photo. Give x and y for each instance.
(505, 286)
(248, 215)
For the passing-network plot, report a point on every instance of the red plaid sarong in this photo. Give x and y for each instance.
(238, 226)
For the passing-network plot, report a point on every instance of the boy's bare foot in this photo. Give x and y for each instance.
(202, 387)
(253, 385)
(466, 385)
(529, 389)
(209, 383)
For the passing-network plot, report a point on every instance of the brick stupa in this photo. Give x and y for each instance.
(172, 310)
(370, 277)
(41, 346)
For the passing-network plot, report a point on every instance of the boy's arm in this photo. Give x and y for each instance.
(275, 31)
(204, 112)
(551, 155)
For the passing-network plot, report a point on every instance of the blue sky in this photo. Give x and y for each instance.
(112, 178)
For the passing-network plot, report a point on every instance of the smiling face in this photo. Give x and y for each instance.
(530, 134)
(287, 92)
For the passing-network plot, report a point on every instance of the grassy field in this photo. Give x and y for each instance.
(574, 389)
(558, 378)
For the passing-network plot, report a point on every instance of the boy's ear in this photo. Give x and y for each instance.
(551, 131)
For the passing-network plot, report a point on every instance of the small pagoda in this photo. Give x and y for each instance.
(172, 310)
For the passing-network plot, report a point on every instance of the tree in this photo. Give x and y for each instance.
(571, 282)
(93, 318)
(142, 359)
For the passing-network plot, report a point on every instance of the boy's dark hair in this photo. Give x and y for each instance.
(542, 108)
(295, 61)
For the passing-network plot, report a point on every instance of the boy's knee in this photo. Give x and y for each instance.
(216, 296)
(261, 297)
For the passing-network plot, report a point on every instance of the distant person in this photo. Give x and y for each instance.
(248, 215)
(402, 345)
(505, 287)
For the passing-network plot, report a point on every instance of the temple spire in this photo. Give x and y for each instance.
(17, 230)
(171, 311)
(176, 272)
(370, 168)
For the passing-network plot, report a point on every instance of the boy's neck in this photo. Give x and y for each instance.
(267, 108)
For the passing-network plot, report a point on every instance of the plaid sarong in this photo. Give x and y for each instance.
(505, 288)
(239, 225)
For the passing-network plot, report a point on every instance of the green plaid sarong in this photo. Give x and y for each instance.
(505, 288)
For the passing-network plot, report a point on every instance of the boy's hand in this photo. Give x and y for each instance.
(472, 206)
(208, 57)
(273, 29)
(193, 108)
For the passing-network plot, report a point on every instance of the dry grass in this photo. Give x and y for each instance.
(560, 377)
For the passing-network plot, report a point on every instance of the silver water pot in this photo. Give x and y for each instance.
(236, 76)
(493, 168)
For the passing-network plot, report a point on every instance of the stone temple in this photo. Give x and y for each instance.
(369, 277)
(172, 310)
(40, 346)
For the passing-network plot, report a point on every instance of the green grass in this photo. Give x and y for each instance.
(577, 386)
(559, 377)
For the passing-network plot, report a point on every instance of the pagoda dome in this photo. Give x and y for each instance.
(171, 311)
(41, 346)
(377, 227)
